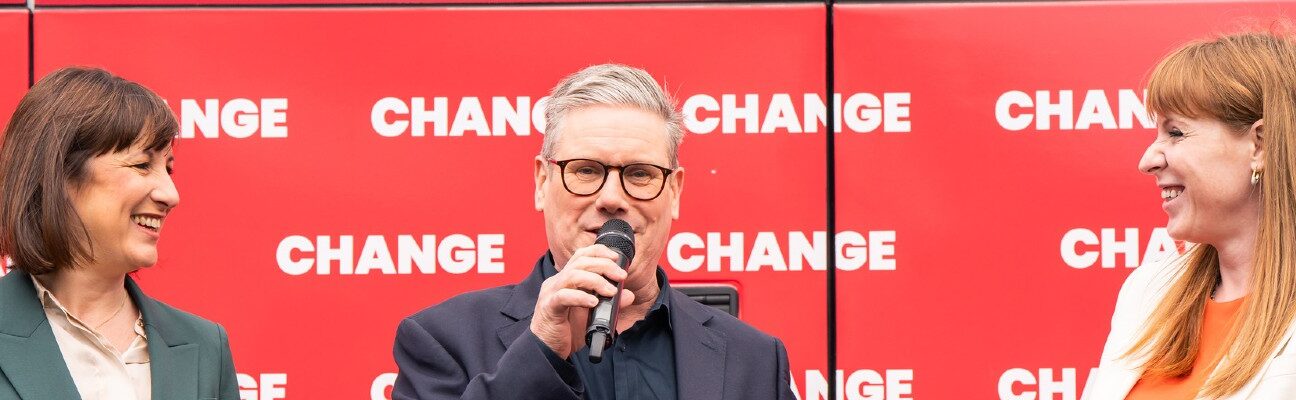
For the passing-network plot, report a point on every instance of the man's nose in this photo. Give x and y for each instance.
(611, 198)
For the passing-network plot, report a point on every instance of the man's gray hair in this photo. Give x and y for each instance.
(612, 85)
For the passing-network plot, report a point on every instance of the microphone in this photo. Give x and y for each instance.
(616, 235)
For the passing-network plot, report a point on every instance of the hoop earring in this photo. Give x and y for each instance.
(1255, 176)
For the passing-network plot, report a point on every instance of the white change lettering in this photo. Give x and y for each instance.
(1016, 110)
(1082, 248)
(1024, 384)
(423, 254)
(237, 118)
(751, 113)
(781, 252)
(266, 386)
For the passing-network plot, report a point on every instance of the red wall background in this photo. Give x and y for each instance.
(983, 303)
(973, 238)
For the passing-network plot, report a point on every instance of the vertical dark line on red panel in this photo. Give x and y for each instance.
(31, 47)
(831, 259)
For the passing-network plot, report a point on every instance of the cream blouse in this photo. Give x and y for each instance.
(100, 371)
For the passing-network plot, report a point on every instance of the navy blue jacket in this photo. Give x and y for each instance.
(478, 345)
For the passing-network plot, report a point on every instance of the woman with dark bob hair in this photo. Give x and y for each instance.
(85, 189)
(1217, 322)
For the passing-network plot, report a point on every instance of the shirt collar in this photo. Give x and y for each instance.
(46, 296)
(48, 300)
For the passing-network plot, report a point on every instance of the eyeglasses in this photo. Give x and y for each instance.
(583, 177)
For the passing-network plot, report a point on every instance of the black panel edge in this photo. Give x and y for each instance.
(830, 74)
(31, 47)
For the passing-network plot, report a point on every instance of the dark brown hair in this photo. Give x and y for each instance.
(70, 116)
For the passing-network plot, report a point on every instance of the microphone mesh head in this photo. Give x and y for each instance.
(617, 235)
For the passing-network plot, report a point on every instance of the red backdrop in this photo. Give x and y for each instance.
(13, 70)
(1016, 208)
(985, 222)
(325, 170)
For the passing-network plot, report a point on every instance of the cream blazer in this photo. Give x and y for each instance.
(1144, 288)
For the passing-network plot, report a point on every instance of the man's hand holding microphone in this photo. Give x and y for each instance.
(580, 302)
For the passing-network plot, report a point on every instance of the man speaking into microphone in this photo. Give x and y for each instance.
(608, 182)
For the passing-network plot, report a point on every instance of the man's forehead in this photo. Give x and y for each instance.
(613, 129)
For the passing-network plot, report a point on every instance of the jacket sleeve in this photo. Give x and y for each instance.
(228, 385)
(784, 376)
(1127, 322)
(428, 371)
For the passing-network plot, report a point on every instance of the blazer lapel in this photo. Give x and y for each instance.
(699, 350)
(1118, 380)
(521, 304)
(173, 351)
(1284, 346)
(29, 354)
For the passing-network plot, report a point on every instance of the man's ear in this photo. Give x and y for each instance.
(541, 176)
(676, 183)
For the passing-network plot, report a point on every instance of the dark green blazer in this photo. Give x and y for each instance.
(189, 356)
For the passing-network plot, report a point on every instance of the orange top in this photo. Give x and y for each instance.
(1216, 322)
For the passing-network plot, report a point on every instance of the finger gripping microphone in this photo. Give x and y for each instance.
(616, 235)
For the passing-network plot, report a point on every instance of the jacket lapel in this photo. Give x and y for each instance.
(29, 354)
(173, 351)
(1117, 381)
(1284, 346)
(521, 304)
(699, 350)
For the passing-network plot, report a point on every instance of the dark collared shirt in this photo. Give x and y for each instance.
(639, 366)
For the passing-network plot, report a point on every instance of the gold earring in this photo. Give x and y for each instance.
(1255, 176)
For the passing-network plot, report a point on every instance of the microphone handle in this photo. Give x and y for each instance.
(602, 320)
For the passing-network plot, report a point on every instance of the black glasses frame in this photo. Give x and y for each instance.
(607, 169)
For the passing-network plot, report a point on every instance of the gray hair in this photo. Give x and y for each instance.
(611, 84)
